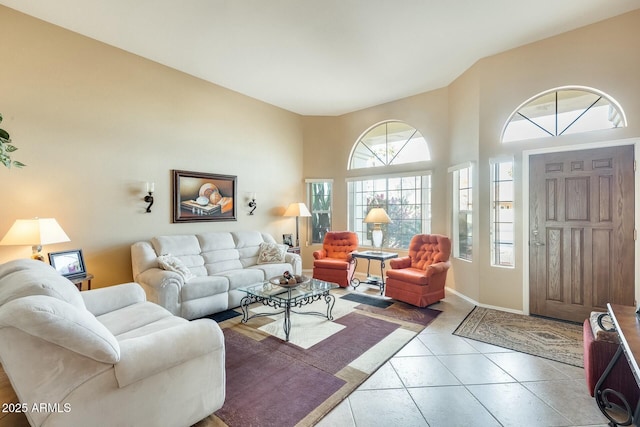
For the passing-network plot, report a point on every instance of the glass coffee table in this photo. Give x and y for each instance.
(287, 297)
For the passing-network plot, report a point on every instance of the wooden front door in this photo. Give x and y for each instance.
(581, 231)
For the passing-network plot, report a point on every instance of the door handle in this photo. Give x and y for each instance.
(538, 244)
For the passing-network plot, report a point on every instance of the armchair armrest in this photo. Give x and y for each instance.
(105, 300)
(319, 254)
(144, 356)
(398, 263)
(436, 268)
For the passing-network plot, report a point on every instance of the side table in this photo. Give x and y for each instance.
(380, 256)
(294, 249)
(78, 281)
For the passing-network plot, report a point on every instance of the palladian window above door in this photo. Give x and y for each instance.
(563, 111)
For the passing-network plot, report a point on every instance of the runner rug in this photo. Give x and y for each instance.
(271, 382)
(551, 339)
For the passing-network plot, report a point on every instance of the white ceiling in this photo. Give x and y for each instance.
(321, 57)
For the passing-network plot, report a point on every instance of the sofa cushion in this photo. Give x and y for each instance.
(60, 323)
(39, 281)
(171, 263)
(184, 247)
(201, 287)
(410, 275)
(332, 264)
(244, 277)
(132, 317)
(271, 253)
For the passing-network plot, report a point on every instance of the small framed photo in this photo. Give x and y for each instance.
(70, 264)
(287, 239)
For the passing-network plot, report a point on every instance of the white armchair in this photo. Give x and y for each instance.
(104, 357)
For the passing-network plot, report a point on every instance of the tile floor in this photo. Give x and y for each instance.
(440, 379)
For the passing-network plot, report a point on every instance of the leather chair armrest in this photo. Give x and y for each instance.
(319, 254)
(398, 263)
(437, 268)
(111, 298)
(144, 356)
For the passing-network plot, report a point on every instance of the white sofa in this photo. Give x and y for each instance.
(104, 357)
(220, 263)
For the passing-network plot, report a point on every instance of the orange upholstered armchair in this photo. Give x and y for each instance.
(333, 262)
(419, 278)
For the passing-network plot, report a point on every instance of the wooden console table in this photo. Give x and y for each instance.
(627, 325)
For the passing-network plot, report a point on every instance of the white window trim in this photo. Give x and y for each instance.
(492, 162)
(456, 205)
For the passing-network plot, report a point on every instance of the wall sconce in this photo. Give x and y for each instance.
(151, 186)
(252, 203)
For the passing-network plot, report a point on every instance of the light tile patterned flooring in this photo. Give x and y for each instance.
(440, 379)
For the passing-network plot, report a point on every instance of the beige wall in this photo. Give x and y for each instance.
(463, 122)
(94, 123)
(328, 142)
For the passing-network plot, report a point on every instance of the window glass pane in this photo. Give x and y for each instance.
(408, 216)
(389, 143)
(502, 218)
(561, 112)
(320, 207)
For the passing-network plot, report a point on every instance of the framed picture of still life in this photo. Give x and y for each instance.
(199, 196)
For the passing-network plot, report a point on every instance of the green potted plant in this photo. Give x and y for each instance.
(6, 148)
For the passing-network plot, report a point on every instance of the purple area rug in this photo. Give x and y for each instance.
(274, 383)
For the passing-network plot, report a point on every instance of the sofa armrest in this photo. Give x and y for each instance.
(111, 298)
(319, 254)
(437, 268)
(296, 262)
(144, 356)
(402, 262)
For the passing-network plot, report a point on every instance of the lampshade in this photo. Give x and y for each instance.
(297, 209)
(35, 233)
(377, 216)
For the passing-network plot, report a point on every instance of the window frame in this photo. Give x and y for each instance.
(386, 162)
(354, 219)
(314, 211)
(494, 223)
(621, 121)
(457, 211)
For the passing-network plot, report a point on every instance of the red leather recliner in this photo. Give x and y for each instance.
(333, 263)
(418, 279)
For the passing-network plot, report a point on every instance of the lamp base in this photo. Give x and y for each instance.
(376, 237)
(36, 253)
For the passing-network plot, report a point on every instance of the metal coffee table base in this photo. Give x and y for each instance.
(287, 305)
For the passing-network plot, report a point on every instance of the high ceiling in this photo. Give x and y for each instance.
(321, 57)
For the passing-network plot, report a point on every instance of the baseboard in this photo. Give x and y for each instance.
(474, 302)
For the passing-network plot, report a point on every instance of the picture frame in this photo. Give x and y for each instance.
(203, 197)
(69, 264)
(287, 239)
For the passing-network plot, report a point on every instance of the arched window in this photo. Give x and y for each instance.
(406, 197)
(562, 111)
(389, 143)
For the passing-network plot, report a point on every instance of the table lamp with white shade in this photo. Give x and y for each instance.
(377, 216)
(35, 233)
(297, 209)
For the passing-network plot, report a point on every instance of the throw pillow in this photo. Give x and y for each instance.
(171, 263)
(271, 253)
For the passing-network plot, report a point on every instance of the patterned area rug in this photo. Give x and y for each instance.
(271, 382)
(551, 339)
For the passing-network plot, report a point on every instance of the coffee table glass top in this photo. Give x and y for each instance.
(303, 290)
